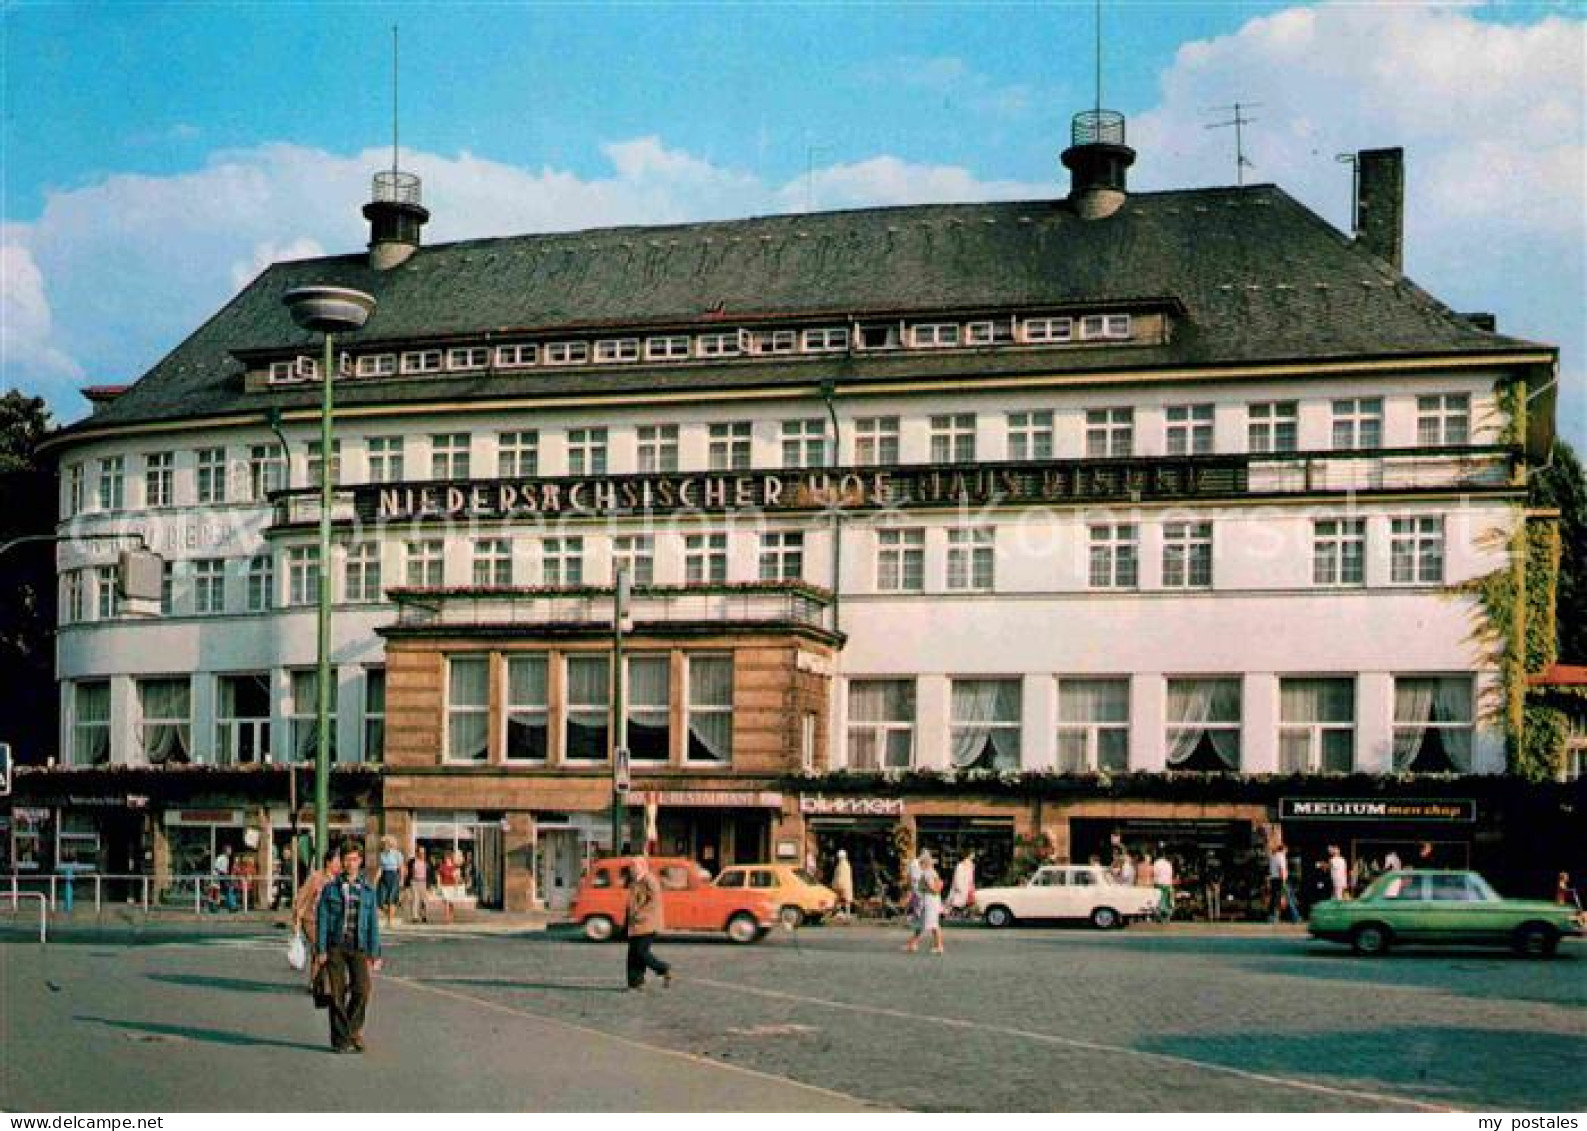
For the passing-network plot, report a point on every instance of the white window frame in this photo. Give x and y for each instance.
(112, 492)
(667, 347)
(387, 458)
(492, 562)
(567, 353)
(562, 560)
(83, 731)
(1047, 331)
(229, 728)
(804, 443)
(655, 713)
(311, 463)
(657, 448)
(74, 490)
(422, 361)
(1189, 429)
(376, 365)
(424, 563)
(1414, 542)
(638, 553)
(731, 344)
(304, 576)
(107, 606)
(730, 445)
(616, 351)
(972, 559)
(518, 356)
(587, 451)
(1110, 432)
(1333, 563)
(1357, 423)
(1015, 725)
(537, 711)
(953, 437)
(373, 747)
(159, 479)
(267, 470)
(776, 341)
(1090, 730)
(935, 335)
(450, 455)
(518, 453)
(592, 710)
(261, 583)
(455, 710)
(693, 708)
(1187, 555)
(1312, 731)
(881, 732)
(901, 560)
(361, 581)
(782, 555)
(876, 440)
(705, 559)
(1030, 435)
(994, 332)
(460, 358)
(209, 475)
(824, 339)
(1272, 426)
(1114, 559)
(1443, 420)
(209, 586)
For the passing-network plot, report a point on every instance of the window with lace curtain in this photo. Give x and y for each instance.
(467, 708)
(1433, 720)
(528, 709)
(881, 724)
(984, 733)
(1317, 726)
(166, 711)
(1203, 724)
(710, 724)
(302, 720)
(588, 697)
(649, 708)
(91, 723)
(1093, 725)
(242, 718)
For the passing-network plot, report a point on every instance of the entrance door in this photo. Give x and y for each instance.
(488, 866)
(557, 868)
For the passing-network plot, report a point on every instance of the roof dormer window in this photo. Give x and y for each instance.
(776, 341)
(881, 336)
(670, 348)
(610, 350)
(996, 333)
(467, 357)
(1039, 331)
(722, 345)
(376, 365)
(567, 353)
(936, 335)
(421, 361)
(1097, 327)
(517, 357)
(826, 339)
(283, 371)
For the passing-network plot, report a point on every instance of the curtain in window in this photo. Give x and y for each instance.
(1418, 703)
(1192, 705)
(1094, 701)
(468, 696)
(588, 699)
(882, 701)
(1316, 701)
(93, 724)
(527, 691)
(167, 717)
(710, 731)
(977, 704)
(649, 694)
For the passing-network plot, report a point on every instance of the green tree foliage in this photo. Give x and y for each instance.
(28, 702)
(1563, 485)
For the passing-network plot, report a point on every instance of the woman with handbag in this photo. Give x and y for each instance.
(305, 908)
(928, 906)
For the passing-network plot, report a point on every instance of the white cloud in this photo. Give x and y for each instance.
(264, 254)
(26, 322)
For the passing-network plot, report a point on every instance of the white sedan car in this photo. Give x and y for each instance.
(1067, 891)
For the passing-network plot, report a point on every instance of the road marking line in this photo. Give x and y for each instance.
(632, 1043)
(1074, 1042)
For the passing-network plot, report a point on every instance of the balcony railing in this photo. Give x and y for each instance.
(757, 603)
(1332, 472)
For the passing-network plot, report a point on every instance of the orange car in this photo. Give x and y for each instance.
(688, 899)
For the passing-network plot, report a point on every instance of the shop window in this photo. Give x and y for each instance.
(528, 709)
(467, 708)
(167, 711)
(1203, 724)
(1433, 718)
(242, 718)
(881, 724)
(303, 719)
(77, 842)
(710, 736)
(589, 704)
(1093, 725)
(91, 723)
(649, 703)
(1316, 726)
(985, 728)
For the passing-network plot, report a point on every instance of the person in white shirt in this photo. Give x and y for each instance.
(1391, 862)
(1163, 878)
(1338, 872)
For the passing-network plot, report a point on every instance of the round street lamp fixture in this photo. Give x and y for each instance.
(328, 311)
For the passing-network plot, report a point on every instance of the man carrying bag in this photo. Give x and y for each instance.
(348, 945)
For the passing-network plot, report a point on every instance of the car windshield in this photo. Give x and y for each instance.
(1483, 889)
(805, 876)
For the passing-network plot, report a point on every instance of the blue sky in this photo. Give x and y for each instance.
(155, 156)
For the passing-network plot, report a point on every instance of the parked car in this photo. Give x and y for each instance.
(1067, 891)
(801, 898)
(689, 901)
(1442, 907)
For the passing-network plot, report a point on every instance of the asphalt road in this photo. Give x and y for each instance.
(828, 1019)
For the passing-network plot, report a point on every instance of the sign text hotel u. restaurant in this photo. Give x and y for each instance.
(868, 488)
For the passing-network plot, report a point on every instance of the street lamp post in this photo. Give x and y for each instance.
(620, 761)
(329, 310)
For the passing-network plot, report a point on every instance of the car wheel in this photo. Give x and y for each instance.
(1535, 940)
(599, 928)
(1370, 938)
(791, 918)
(1106, 919)
(999, 916)
(742, 928)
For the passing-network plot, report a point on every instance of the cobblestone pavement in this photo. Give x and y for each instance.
(1022, 1020)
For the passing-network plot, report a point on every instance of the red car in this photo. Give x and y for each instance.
(688, 899)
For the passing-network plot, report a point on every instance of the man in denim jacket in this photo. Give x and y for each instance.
(347, 945)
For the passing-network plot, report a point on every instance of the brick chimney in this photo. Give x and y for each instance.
(1380, 204)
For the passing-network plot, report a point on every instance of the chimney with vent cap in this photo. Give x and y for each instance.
(1097, 159)
(1380, 204)
(395, 217)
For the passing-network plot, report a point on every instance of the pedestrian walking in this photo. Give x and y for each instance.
(1127, 870)
(1212, 882)
(305, 909)
(646, 920)
(348, 941)
(1565, 894)
(843, 884)
(221, 871)
(1279, 896)
(450, 876)
(1338, 872)
(419, 886)
(961, 893)
(388, 889)
(928, 905)
(1163, 880)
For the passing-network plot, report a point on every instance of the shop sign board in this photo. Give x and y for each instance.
(852, 806)
(714, 799)
(1462, 809)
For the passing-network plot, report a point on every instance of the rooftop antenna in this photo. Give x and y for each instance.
(1099, 56)
(1239, 121)
(394, 119)
(395, 210)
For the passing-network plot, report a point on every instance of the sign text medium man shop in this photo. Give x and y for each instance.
(1376, 809)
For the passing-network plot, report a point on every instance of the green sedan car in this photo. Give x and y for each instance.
(1462, 908)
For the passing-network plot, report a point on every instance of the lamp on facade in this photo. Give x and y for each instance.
(329, 311)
